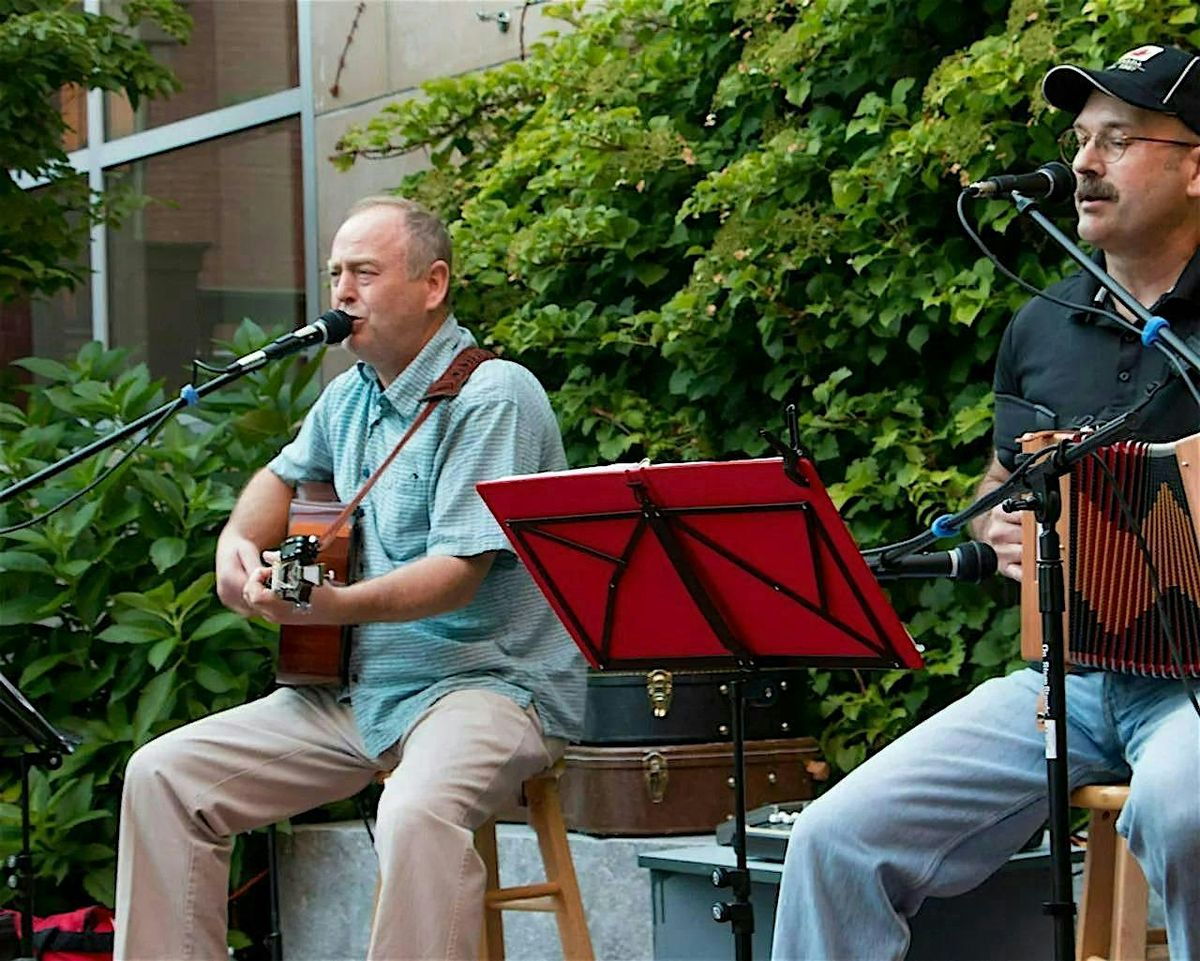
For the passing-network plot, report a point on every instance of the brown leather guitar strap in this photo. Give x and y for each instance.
(448, 385)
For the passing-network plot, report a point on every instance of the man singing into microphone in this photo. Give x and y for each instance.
(462, 682)
(947, 804)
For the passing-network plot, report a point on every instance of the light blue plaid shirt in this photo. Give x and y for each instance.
(507, 639)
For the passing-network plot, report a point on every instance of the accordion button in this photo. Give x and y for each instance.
(1124, 376)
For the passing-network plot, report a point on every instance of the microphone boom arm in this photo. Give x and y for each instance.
(188, 396)
(1110, 432)
(171, 407)
(1153, 328)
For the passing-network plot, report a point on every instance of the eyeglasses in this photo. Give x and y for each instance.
(1110, 146)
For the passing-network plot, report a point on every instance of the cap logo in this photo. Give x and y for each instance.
(1136, 59)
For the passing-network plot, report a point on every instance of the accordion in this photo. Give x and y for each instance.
(1131, 559)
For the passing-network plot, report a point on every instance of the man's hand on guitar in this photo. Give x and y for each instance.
(237, 560)
(260, 601)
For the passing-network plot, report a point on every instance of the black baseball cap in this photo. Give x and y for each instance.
(1162, 79)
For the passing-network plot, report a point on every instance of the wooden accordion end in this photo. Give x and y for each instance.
(1114, 618)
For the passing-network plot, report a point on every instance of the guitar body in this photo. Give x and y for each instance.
(319, 653)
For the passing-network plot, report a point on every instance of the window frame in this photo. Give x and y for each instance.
(101, 154)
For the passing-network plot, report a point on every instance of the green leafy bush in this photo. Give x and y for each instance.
(684, 213)
(109, 622)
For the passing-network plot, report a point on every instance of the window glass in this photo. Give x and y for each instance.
(220, 240)
(53, 326)
(63, 323)
(239, 50)
(16, 339)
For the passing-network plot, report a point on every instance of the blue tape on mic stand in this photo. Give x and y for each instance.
(943, 526)
(190, 395)
(1150, 331)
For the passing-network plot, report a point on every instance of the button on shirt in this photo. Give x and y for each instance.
(507, 639)
(1059, 368)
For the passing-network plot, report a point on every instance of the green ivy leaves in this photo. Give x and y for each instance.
(684, 215)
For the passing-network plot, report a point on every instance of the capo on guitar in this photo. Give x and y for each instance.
(296, 572)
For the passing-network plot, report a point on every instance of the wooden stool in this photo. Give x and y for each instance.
(1113, 908)
(560, 891)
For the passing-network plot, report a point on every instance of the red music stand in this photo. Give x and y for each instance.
(740, 565)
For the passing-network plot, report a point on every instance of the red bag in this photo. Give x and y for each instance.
(82, 935)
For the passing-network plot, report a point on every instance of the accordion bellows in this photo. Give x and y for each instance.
(1129, 601)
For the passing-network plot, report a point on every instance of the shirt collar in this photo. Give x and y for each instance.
(1187, 287)
(405, 392)
(1181, 301)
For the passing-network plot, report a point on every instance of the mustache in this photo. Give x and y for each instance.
(1092, 188)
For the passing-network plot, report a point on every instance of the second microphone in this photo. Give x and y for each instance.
(972, 561)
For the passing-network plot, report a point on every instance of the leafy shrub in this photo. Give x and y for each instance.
(109, 622)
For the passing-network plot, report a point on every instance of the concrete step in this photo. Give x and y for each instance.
(327, 889)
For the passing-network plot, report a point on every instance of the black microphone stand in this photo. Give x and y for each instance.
(1045, 500)
(1035, 486)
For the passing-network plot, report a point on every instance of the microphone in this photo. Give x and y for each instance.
(972, 561)
(332, 327)
(1052, 182)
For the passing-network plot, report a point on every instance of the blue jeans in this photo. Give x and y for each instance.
(944, 806)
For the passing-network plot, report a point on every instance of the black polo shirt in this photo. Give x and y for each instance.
(1059, 368)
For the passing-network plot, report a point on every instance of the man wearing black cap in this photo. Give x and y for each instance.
(946, 805)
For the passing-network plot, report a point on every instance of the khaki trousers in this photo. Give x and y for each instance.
(190, 791)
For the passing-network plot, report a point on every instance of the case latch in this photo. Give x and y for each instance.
(654, 770)
(659, 689)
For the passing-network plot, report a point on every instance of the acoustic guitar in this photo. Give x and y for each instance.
(314, 552)
(313, 653)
